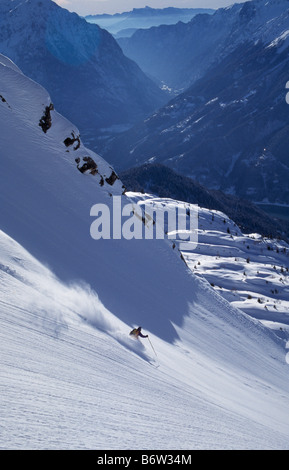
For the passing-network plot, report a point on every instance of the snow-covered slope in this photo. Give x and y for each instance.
(70, 375)
(67, 383)
(250, 271)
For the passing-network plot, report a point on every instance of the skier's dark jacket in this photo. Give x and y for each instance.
(137, 332)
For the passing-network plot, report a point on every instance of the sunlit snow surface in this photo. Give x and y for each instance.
(71, 377)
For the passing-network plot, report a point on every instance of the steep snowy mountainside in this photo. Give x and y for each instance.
(46, 206)
(89, 79)
(70, 375)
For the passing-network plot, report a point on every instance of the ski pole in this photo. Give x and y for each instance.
(152, 347)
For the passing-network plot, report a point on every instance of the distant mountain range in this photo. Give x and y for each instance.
(230, 129)
(179, 54)
(88, 77)
(126, 23)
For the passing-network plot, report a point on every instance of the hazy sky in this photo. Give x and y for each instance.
(85, 7)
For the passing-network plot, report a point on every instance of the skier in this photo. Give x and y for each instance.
(137, 332)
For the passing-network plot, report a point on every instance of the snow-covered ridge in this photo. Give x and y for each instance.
(26, 102)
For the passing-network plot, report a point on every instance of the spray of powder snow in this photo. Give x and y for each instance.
(57, 304)
(52, 305)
